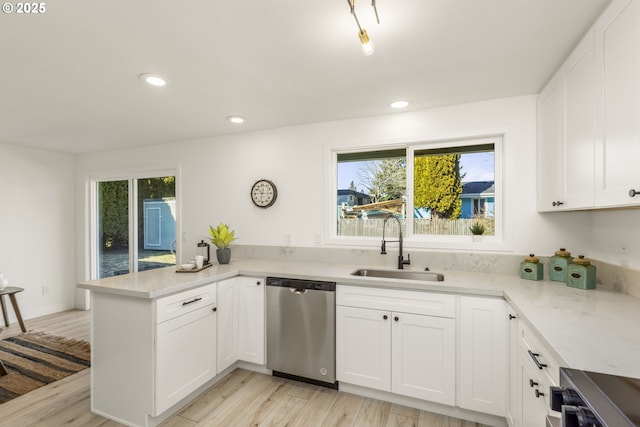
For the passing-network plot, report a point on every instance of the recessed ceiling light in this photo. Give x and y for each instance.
(152, 79)
(399, 104)
(236, 119)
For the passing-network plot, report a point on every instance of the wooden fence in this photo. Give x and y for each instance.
(372, 227)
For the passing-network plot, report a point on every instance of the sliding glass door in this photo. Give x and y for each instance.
(135, 224)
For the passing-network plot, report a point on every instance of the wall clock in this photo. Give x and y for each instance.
(264, 193)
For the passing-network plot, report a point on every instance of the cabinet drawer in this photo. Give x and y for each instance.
(184, 302)
(529, 342)
(416, 302)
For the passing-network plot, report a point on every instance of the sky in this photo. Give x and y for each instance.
(477, 166)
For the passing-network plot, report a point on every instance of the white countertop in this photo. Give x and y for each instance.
(592, 330)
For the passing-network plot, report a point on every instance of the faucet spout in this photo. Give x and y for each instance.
(401, 261)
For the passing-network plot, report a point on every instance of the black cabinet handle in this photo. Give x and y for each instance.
(557, 203)
(535, 356)
(511, 317)
(385, 317)
(192, 301)
(539, 393)
(532, 383)
(215, 308)
(633, 193)
(396, 318)
(258, 283)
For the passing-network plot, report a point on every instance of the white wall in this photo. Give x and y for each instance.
(37, 228)
(216, 174)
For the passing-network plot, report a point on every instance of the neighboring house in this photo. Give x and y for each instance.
(347, 198)
(478, 199)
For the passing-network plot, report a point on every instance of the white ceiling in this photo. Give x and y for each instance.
(69, 77)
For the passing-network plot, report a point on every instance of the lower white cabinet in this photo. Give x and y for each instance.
(227, 326)
(392, 350)
(514, 396)
(482, 350)
(241, 321)
(534, 406)
(149, 354)
(185, 355)
(251, 319)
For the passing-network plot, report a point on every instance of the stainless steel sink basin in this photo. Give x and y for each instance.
(399, 274)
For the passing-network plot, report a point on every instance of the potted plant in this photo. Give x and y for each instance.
(477, 230)
(222, 237)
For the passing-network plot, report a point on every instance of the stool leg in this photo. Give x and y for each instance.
(4, 311)
(12, 297)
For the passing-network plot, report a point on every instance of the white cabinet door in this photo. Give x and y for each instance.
(566, 133)
(251, 321)
(550, 147)
(578, 119)
(227, 298)
(423, 357)
(514, 390)
(617, 34)
(185, 356)
(534, 408)
(483, 354)
(363, 347)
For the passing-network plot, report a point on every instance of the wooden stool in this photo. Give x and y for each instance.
(11, 291)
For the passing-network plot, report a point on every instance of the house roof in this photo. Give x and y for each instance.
(478, 187)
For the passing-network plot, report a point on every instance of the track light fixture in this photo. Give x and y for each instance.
(367, 44)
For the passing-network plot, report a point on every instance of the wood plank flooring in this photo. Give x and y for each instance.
(243, 398)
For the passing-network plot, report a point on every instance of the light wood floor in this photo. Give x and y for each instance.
(243, 398)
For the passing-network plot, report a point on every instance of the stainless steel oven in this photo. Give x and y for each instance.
(591, 399)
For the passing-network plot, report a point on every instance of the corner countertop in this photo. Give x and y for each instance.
(594, 330)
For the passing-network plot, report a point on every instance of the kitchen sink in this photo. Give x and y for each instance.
(399, 274)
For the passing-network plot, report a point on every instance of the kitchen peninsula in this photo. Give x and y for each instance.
(590, 330)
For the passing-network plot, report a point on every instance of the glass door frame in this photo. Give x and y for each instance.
(131, 178)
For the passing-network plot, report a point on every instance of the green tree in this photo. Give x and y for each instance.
(385, 179)
(438, 185)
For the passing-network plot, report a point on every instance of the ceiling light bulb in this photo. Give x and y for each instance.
(399, 104)
(367, 45)
(236, 119)
(153, 79)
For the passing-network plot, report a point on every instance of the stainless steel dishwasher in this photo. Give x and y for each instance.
(301, 330)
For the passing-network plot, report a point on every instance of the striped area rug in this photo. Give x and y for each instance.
(34, 359)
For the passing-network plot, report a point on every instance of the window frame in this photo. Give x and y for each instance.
(497, 242)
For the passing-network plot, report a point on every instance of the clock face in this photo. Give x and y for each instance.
(264, 193)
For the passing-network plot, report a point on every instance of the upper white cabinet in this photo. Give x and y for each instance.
(589, 118)
(566, 133)
(482, 350)
(617, 34)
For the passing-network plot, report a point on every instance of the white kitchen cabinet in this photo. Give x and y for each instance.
(483, 352)
(241, 321)
(403, 350)
(167, 352)
(566, 133)
(514, 395)
(617, 35)
(185, 355)
(227, 325)
(423, 355)
(363, 347)
(251, 320)
(534, 405)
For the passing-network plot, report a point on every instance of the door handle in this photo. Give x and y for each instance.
(298, 291)
(535, 356)
(192, 301)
